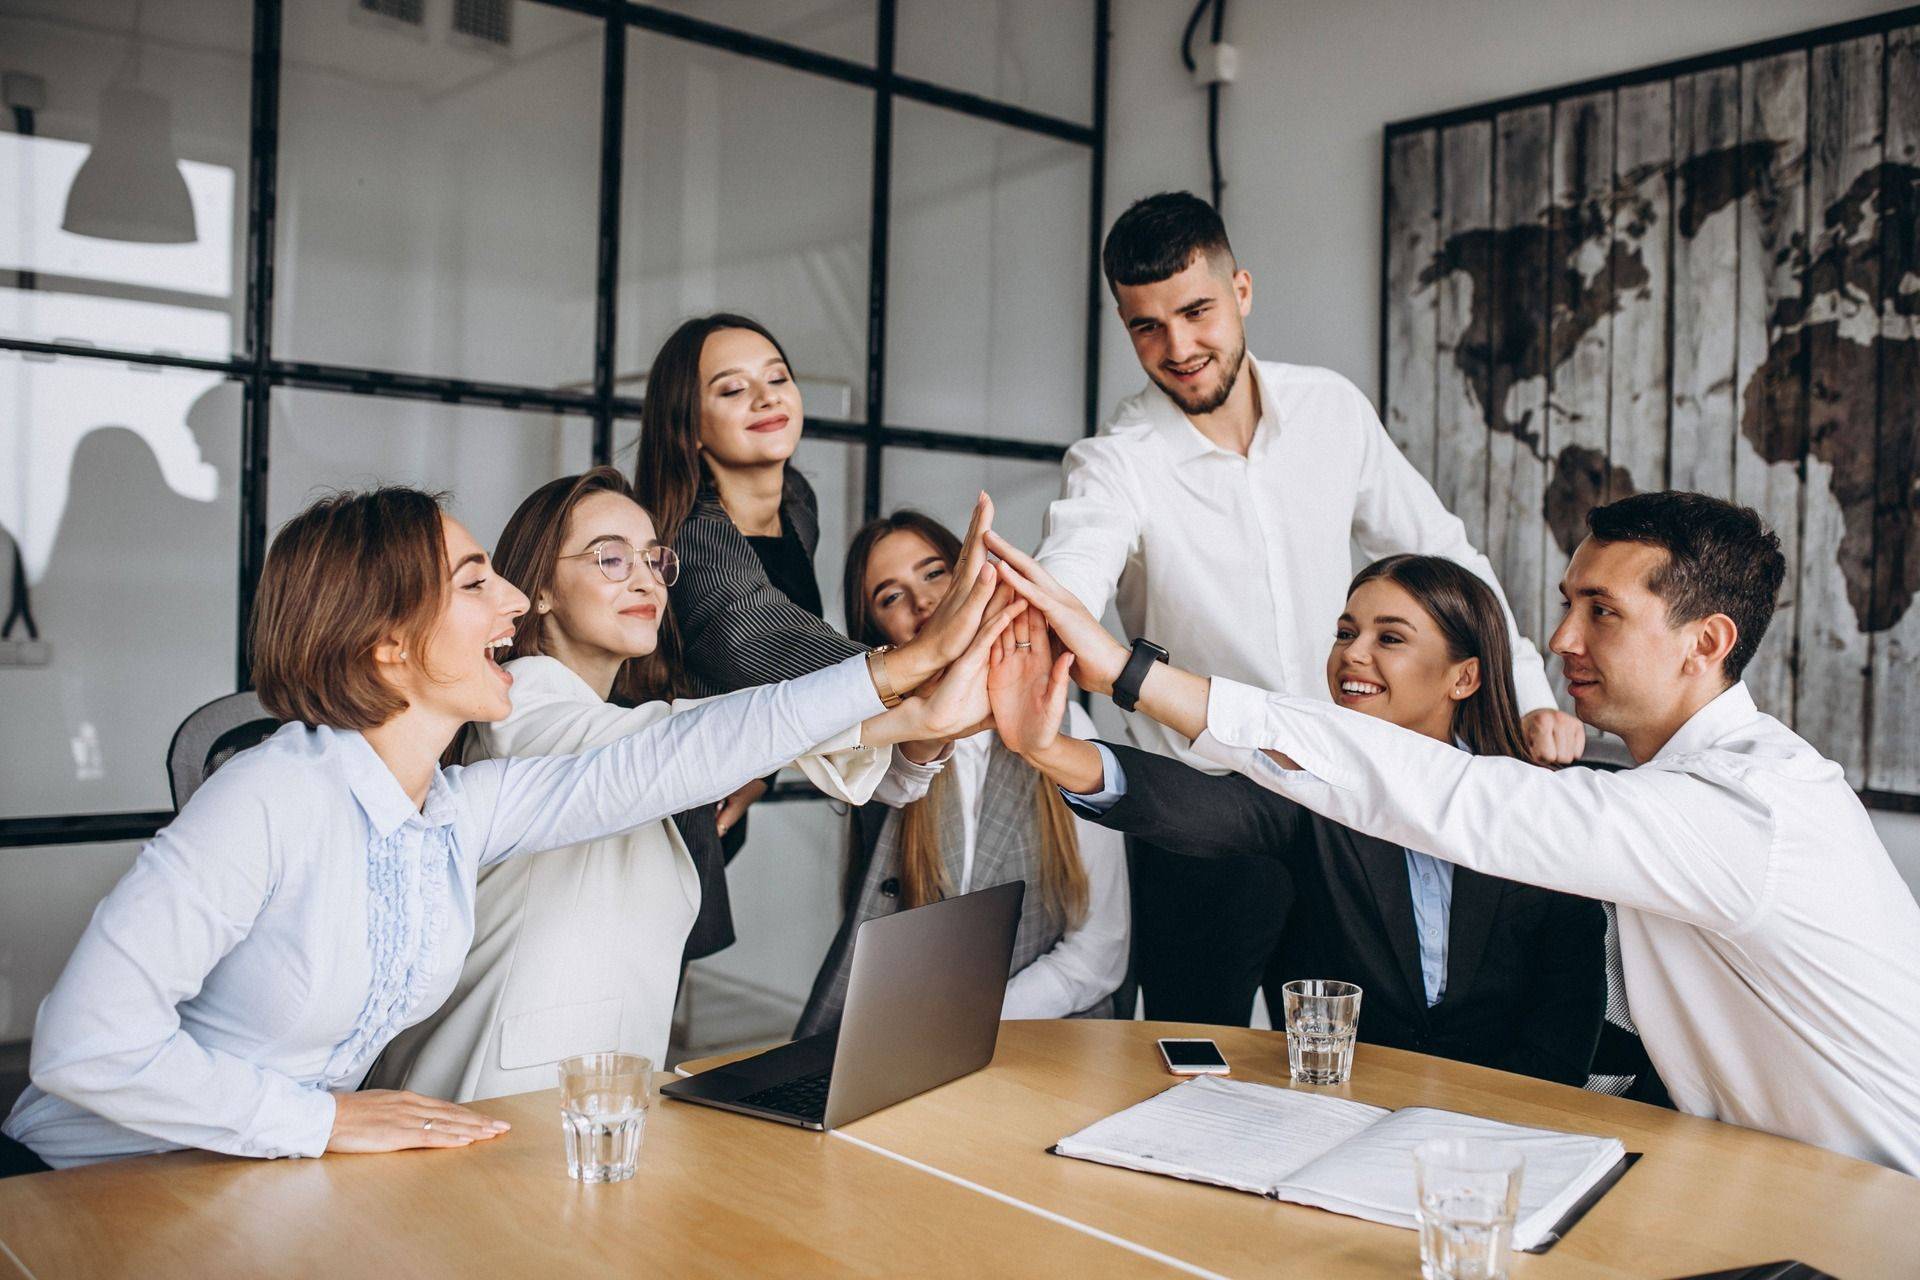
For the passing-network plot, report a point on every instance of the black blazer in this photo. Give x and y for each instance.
(1526, 968)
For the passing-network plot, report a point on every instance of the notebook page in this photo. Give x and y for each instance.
(1371, 1175)
(1231, 1133)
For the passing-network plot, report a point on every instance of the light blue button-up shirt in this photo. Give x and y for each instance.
(1430, 879)
(300, 912)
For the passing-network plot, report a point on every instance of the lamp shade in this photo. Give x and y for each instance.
(130, 186)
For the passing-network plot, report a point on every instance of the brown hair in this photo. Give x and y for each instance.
(1063, 877)
(667, 472)
(344, 575)
(1474, 625)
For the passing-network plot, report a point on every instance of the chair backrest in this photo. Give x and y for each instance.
(210, 737)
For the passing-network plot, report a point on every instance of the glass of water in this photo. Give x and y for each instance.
(603, 1113)
(1322, 1019)
(1469, 1190)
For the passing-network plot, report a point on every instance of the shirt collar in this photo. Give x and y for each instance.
(1184, 439)
(387, 807)
(1712, 722)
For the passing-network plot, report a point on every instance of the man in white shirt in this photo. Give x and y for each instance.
(1219, 508)
(1772, 952)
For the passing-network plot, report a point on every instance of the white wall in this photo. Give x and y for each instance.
(1301, 136)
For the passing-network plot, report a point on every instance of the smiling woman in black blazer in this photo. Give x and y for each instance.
(1453, 963)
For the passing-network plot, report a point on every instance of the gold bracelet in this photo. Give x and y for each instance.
(877, 669)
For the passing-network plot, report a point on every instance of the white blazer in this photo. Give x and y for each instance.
(578, 949)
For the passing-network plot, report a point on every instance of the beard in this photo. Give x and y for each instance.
(1205, 402)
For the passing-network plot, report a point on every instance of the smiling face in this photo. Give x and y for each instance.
(749, 406)
(459, 677)
(1189, 330)
(588, 619)
(906, 580)
(1390, 659)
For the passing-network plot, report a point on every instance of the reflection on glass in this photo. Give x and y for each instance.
(96, 156)
(987, 278)
(844, 28)
(486, 460)
(944, 486)
(438, 199)
(1033, 55)
(747, 189)
(118, 495)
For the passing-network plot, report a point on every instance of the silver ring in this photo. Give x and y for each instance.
(427, 1123)
(1023, 644)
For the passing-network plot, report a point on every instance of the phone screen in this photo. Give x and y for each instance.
(1192, 1053)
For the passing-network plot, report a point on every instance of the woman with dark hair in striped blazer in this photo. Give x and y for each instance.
(721, 421)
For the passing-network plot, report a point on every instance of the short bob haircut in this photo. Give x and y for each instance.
(344, 575)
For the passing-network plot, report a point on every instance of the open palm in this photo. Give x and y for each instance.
(1027, 688)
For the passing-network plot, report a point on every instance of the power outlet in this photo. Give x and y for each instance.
(25, 653)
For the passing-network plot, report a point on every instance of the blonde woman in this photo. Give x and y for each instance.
(988, 817)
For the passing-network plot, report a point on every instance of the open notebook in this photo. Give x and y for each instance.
(1330, 1152)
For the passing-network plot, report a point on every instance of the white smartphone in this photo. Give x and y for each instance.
(1193, 1058)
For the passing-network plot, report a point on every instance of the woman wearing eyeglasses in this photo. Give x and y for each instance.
(579, 949)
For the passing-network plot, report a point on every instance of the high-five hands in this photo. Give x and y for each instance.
(954, 703)
(1027, 687)
(958, 619)
(1098, 657)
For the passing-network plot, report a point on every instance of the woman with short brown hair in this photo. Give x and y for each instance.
(316, 895)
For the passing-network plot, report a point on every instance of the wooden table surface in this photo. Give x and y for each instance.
(956, 1181)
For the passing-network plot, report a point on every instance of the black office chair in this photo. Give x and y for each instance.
(212, 736)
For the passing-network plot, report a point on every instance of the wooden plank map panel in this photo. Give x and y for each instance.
(1893, 751)
(1772, 410)
(1707, 278)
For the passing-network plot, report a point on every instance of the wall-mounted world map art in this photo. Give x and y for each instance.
(1704, 276)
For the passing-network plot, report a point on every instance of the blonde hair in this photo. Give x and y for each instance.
(1063, 877)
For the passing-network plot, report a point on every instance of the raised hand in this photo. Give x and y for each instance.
(957, 704)
(1098, 657)
(958, 618)
(395, 1120)
(1027, 687)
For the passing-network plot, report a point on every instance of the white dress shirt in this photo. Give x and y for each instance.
(301, 911)
(1089, 960)
(1772, 952)
(579, 949)
(1240, 566)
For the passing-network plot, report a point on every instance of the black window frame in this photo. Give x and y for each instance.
(258, 371)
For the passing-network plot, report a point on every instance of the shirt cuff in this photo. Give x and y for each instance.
(1113, 786)
(1243, 723)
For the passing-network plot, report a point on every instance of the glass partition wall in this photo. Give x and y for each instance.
(253, 251)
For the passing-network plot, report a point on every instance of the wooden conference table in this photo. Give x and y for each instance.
(955, 1182)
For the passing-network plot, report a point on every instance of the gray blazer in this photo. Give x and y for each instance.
(736, 627)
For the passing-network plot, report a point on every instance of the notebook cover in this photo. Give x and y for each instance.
(1586, 1202)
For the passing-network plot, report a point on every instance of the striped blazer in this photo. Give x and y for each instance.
(739, 629)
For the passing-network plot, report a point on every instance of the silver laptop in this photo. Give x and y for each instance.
(923, 1007)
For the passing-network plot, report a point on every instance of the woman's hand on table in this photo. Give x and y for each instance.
(397, 1120)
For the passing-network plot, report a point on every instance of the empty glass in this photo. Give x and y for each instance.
(1469, 1190)
(603, 1113)
(1322, 1017)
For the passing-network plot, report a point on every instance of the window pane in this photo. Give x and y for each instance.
(122, 216)
(987, 279)
(785, 887)
(47, 895)
(837, 473)
(944, 486)
(1033, 55)
(747, 189)
(844, 28)
(118, 493)
(486, 459)
(439, 201)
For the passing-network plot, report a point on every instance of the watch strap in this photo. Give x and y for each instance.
(1126, 687)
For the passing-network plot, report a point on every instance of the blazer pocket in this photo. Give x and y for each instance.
(548, 1035)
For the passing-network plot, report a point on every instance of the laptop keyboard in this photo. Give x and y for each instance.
(805, 1097)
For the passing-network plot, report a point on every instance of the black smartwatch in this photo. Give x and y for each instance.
(1126, 686)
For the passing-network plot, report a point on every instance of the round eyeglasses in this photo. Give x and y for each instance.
(616, 558)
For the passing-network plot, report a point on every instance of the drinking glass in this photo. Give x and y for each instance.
(1469, 1190)
(1322, 1017)
(603, 1113)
